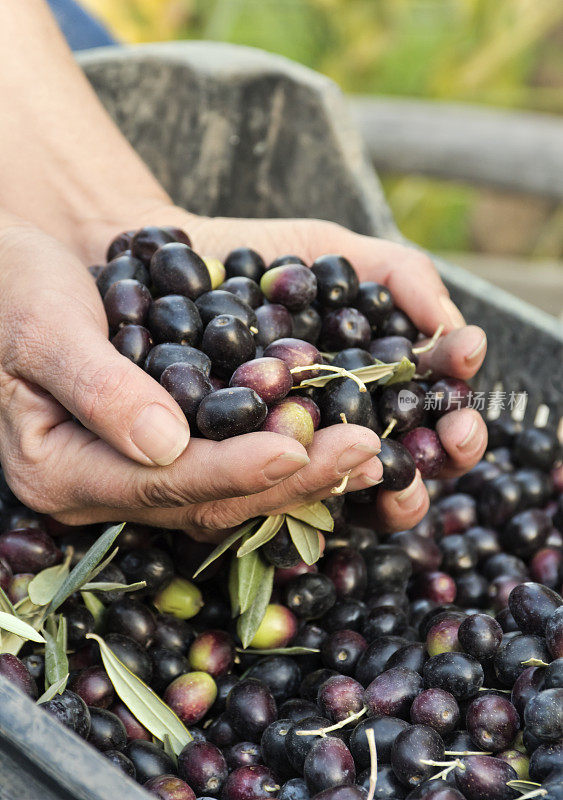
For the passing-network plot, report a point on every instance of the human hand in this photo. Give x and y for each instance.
(417, 290)
(130, 458)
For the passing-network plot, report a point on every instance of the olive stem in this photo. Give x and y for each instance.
(430, 344)
(341, 486)
(449, 766)
(373, 763)
(388, 429)
(336, 726)
(504, 691)
(253, 329)
(534, 662)
(329, 368)
(443, 774)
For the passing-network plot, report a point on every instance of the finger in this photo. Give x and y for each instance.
(411, 277)
(334, 452)
(397, 511)
(464, 438)
(82, 470)
(459, 354)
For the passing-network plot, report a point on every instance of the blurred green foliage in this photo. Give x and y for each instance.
(500, 52)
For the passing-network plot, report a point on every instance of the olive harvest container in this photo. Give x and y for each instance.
(232, 131)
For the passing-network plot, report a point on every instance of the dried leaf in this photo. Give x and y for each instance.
(265, 532)
(85, 569)
(15, 625)
(306, 540)
(315, 514)
(225, 544)
(249, 622)
(142, 702)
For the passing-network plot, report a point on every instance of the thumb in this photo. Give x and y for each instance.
(110, 395)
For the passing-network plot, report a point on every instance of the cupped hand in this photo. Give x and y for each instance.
(417, 289)
(87, 436)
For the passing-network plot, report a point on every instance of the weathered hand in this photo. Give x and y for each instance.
(417, 289)
(129, 458)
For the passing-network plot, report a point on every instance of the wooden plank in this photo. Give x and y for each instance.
(515, 150)
(40, 758)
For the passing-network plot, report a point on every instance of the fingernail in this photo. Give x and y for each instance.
(370, 480)
(452, 312)
(355, 455)
(408, 498)
(476, 354)
(284, 465)
(469, 437)
(160, 434)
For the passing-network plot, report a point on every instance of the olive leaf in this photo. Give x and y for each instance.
(110, 586)
(233, 587)
(168, 749)
(225, 544)
(6, 604)
(85, 570)
(54, 688)
(250, 574)
(47, 583)
(280, 651)
(17, 626)
(306, 540)
(404, 371)
(142, 702)
(315, 514)
(249, 622)
(265, 532)
(95, 606)
(56, 660)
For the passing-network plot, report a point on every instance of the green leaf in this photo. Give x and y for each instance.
(280, 651)
(249, 622)
(95, 606)
(55, 688)
(46, 584)
(82, 572)
(56, 660)
(142, 702)
(110, 586)
(233, 587)
(169, 749)
(103, 564)
(265, 532)
(225, 544)
(403, 371)
(306, 540)
(12, 624)
(250, 574)
(315, 514)
(5, 603)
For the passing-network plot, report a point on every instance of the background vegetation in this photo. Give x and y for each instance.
(498, 52)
